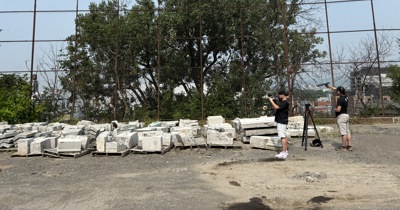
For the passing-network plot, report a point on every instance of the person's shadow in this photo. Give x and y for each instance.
(254, 204)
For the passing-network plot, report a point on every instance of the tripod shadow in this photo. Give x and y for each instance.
(336, 145)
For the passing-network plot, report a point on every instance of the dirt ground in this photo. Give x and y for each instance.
(215, 178)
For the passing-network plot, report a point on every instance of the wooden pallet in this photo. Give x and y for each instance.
(12, 149)
(190, 146)
(122, 154)
(235, 146)
(164, 150)
(16, 154)
(53, 153)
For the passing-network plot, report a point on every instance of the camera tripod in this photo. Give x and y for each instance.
(307, 113)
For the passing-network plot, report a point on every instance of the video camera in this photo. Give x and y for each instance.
(322, 84)
(269, 95)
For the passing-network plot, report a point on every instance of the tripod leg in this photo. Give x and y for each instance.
(305, 130)
(315, 128)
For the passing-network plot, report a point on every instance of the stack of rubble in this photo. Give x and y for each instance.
(219, 133)
(187, 133)
(259, 132)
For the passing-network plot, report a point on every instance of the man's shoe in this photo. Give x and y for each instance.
(349, 148)
(342, 148)
(282, 155)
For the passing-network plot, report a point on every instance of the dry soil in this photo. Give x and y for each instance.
(215, 178)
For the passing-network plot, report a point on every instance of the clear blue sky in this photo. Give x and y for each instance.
(55, 26)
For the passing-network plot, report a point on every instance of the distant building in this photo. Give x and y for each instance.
(366, 86)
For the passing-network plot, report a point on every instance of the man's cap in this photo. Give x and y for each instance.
(341, 89)
(282, 92)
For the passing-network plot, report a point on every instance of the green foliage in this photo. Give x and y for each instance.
(216, 46)
(371, 111)
(16, 105)
(309, 95)
(394, 74)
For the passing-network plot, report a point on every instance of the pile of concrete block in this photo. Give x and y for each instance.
(186, 134)
(259, 132)
(218, 132)
(248, 127)
(117, 137)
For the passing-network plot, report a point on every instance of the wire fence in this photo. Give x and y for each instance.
(337, 67)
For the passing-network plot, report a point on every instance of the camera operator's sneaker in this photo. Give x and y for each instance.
(282, 155)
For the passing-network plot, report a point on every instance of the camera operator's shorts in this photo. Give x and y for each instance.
(281, 130)
(343, 124)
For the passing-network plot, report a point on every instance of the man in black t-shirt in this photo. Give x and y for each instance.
(282, 119)
(342, 118)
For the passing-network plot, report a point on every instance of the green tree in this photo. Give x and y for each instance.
(16, 105)
(186, 52)
(394, 74)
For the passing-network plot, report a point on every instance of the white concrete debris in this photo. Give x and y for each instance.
(219, 138)
(129, 139)
(221, 126)
(150, 140)
(33, 138)
(248, 127)
(72, 143)
(24, 146)
(115, 147)
(265, 142)
(215, 120)
(101, 141)
(39, 144)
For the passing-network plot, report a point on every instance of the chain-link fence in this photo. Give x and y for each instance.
(216, 57)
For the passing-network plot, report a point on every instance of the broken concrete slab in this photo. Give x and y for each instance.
(218, 138)
(129, 139)
(39, 144)
(71, 143)
(261, 131)
(101, 141)
(215, 120)
(152, 143)
(262, 122)
(24, 146)
(115, 147)
(265, 142)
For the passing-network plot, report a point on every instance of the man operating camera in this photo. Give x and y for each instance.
(281, 118)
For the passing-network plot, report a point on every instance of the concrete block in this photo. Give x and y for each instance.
(101, 140)
(167, 139)
(215, 120)
(296, 122)
(52, 128)
(188, 123)
(169, 124)
(218, 138)
(25, 135)
(24, 146)
(265, 142)
(261, 122)
(182, 139)
(115, 147)
(73, 129)
(261, 131)
(39, 144)
(142, 135)
(299, 132)
(129, 139)
(152, 143)
(69, 144)
(53, 142)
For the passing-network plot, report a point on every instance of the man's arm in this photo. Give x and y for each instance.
(338, 108)
(274, 105)
(330, 87)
